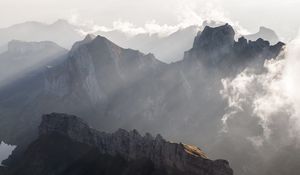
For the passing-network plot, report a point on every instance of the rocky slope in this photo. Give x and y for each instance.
(94, 61)
(135, 153)
(93, 72)
(216, 47)
(23, 57)
(112, 87)
(99, 78)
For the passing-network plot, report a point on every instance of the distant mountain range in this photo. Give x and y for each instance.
(21, 57)
(168, 48)
(60, 32)
(112, 87)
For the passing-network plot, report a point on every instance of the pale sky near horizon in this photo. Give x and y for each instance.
(280, 15)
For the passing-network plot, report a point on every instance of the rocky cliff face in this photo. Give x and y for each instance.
(216, 47)
(112, 87)
(99, 78)
(172, 158)
(212, 39)
(99, 68)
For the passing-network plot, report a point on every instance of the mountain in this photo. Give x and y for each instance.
(111, 87)
(3, 170)
(168, 48)
(99, 78)
(67, 145)
(93, 72)
(100, 68)
(264, 33)
(165, 48)
(21, 57)
(216, 47)
(60, 32)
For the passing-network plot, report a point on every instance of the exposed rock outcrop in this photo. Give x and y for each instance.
(217, 47)
(98, 78)
(66, 145)
(212, 39)
(94, 61)
(111, 87)
(132, 146)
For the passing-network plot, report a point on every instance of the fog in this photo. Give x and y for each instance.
(5, 151)
(278, 15)
(262, 117)
(249, 117)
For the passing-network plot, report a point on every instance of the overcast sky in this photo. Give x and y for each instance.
(281, 15)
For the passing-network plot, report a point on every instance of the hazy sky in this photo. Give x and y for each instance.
(281, 15)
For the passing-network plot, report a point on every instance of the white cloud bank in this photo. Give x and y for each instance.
(5, 151)
(270, 98)
(188, 13)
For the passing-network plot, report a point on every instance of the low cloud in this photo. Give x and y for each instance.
(188, 13)
(263, 111)
(5, 151)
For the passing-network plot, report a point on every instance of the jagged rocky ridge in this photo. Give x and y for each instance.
(112, 87)
(94, 61)
(99, 78)
(165, 157)
(217, 47)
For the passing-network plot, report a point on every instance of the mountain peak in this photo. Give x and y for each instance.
(212, 23)
(61, 22)
(263, 29)
(216, 46)
(56, 122)
(215, 37)
(99, 40)
(89, 37)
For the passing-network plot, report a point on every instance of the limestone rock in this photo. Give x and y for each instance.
(133, 146)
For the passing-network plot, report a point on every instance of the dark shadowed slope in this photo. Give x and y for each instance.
(67, 145)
